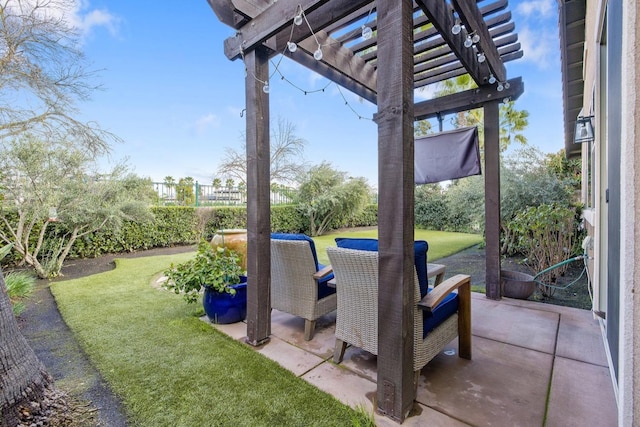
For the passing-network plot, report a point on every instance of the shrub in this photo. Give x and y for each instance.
(431, 209)
(546, 235)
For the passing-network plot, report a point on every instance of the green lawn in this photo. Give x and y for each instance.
(441, 243)
(171, 369)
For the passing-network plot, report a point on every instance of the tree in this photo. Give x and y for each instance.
(42, 77)
(530, 179)
(52, 198)
(23, 378)
(169, 182)
(287, 150)
(185, 194)
(43, 74)
(512, 121)
(326, 195)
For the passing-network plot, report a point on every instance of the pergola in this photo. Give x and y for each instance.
(413, 44)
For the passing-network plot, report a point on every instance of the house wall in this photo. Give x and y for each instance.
(628, 384)
(629, 387)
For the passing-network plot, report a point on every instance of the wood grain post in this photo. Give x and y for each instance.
(258, 199)
(395, 393)
(492, 199)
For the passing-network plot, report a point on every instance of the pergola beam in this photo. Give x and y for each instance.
(472, 19)
(276, 20)
(467, 100)
(441, 16)
(345, 63)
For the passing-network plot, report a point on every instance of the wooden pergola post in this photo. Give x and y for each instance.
(492, 198)
(395, 392)
(258, 198)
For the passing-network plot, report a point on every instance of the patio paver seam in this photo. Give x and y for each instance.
(553, 367)
(517, 345)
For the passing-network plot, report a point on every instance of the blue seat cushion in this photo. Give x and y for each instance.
(442, 312)
(420, 248)
(324, 290)
(288, 236)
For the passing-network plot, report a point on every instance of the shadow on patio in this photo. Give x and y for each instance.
(533, 364)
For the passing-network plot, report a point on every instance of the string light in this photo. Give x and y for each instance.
(457, 28)
(367, 32)
(500, 87)
(476, 38)
(492, 79)
(318, 54)
(481, 57)
(468, 42)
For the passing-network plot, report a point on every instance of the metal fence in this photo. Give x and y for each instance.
(196, 194)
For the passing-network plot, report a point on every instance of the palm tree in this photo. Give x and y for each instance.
(512, 121)
(169, 182)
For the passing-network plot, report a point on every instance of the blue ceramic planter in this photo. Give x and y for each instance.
(224, 308)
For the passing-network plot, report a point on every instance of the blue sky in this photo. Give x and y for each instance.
(175, 99)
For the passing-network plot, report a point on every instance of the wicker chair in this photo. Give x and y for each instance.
(298, 283)
(356, 276)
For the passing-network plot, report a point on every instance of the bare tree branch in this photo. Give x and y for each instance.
(287, 151)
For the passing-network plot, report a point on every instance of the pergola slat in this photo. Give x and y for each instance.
(440, 15)
(267, 24)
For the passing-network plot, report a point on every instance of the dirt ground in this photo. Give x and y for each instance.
(57, 348)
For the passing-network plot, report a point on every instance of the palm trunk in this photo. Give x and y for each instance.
(23, 378)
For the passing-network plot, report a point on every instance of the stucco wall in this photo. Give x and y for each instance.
(629, 389)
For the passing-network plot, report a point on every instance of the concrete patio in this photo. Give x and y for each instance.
(533, 364)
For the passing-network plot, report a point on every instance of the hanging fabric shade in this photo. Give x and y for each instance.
(447, 155)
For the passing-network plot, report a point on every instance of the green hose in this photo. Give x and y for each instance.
(560, 264)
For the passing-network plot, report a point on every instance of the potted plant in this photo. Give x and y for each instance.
(218, 272)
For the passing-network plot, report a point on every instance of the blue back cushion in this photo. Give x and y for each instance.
(287, 236)
(420, 248)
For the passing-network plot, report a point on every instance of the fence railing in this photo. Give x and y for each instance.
(196, 194)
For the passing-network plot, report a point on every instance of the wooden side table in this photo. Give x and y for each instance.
(436, 270)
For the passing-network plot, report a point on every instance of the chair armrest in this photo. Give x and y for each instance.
(461, 282)
(322, 273)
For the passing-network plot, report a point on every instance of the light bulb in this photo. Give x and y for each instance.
(475, 38)
(506, 100)
(265, 88)
(468, 42)
(367, 32)
(318, 54)
(298, 19)
(492, 79)
(500, 87)
(456, 28)
(583, 130)
(292, 47)
(481, 57)
(507, 85)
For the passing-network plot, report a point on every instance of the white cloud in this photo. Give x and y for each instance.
(539, 47)
(97, 18)
(536, 8)
(206, 122)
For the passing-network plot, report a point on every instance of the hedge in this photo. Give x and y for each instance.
(183, 225)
